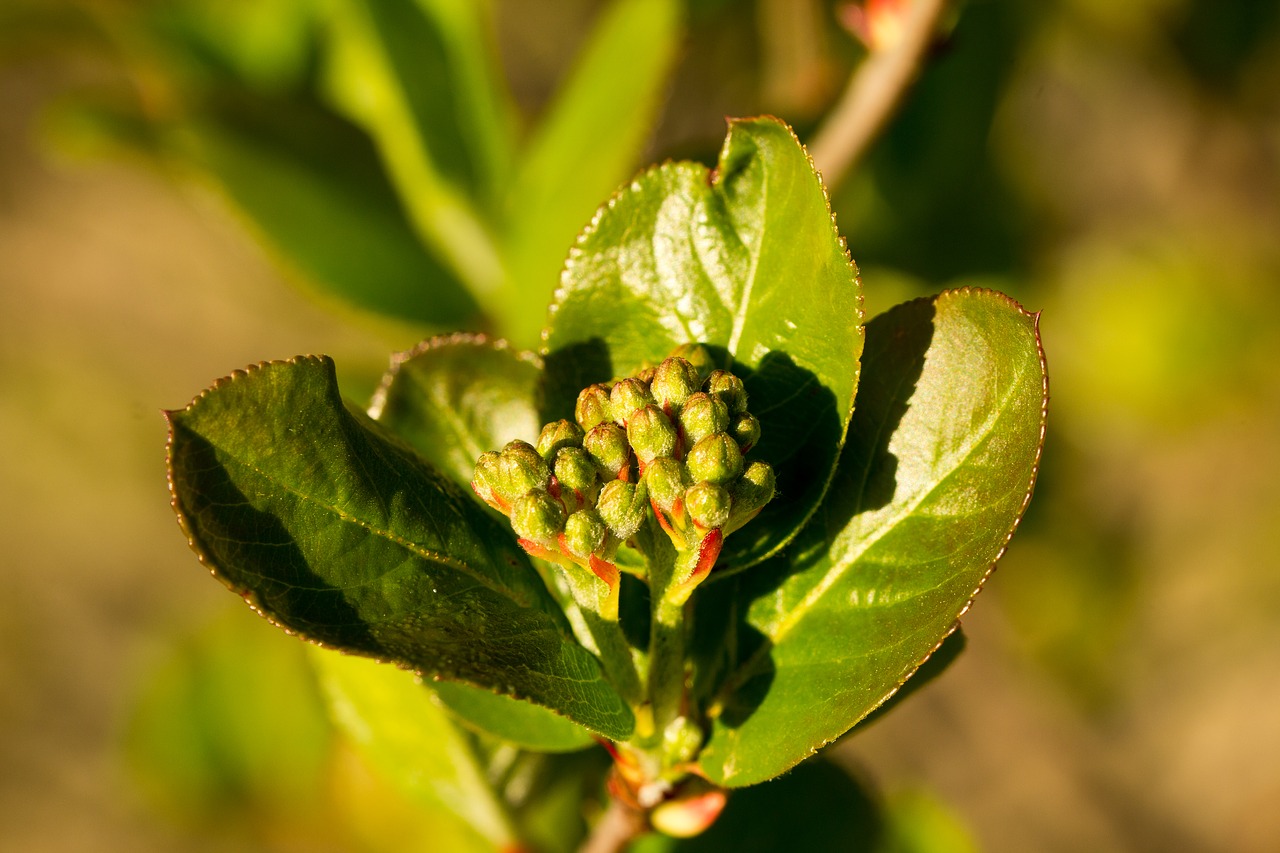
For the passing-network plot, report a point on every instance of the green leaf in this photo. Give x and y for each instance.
(397, 725)
(526, 725)
(419, 77)
(311, 185)
(453, 398)
(585, 147)
(939, 465)
(334, 530)
(745, 258)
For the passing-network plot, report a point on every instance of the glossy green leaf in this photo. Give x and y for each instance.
(745, 258)
(399, 727)
(417, 75)
(336, 531)
(585, 147)
(523, 724)
(453, 398)
(939, 464)
(311, 185)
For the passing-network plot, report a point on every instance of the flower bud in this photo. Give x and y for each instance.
(745, 430)
(521, 469)
(699, 356)
(691, 811)
(627, 396)
(752, 491)
(584, 533)
(666, 481)
(486, 479)
(715, 459)
(556, 435)
(729, 388)
(538, 517)
(708, 505)
(607, 445)
(622, 506)
(651, 434)
(593, 406)
(575, 469)
(673, 381)
(702, 415)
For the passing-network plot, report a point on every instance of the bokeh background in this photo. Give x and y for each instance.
(1113, 165)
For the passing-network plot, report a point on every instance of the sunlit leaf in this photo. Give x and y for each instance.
(332, 529)
(939, 464)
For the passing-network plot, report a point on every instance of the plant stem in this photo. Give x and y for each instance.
(615, 655)
(666, 637)
(616, 829)
(873, 92)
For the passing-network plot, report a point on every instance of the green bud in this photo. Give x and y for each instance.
(487, 478)
(593, 406)
(729, 388)
(623, 507)
(745, 430)
(651, 434)
(521, 469)
(699, 356)
(607, 445)
(702, 415)
(715, 459)
(753, 489)
(673, 381)
(575, 469)
(538, 517)
(708, 505)
(584, 533)
(666, 480)
(627, 396)
(556, 435)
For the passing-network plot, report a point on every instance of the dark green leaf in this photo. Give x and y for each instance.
(526, 725)
(394, 721)
(585, 147)
(334, 530)
(312, 186)
(939, 464)
(747, 259)
(453, 398)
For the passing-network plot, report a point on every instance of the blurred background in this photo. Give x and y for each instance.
(190, 186)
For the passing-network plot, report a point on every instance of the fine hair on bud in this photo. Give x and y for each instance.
(593, 406)
(729, 388)
(623, 507)
(702, 415)
(698, 356)
(651, 433)
(607, 446)
(574, 469)
(584, 533)
(666, 480)
(627, 396)
(715, 459)
(754, 488)
(521, 469)
(556, 435)
(708, 505)
(745, 430)
(673, 381)
(538, 517)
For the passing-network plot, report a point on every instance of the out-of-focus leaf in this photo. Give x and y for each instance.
(941, 457)
(526, 725)
(585, 147)
(312, 186)
(745, 259)
(916, 822)
(453, 398)
(418, 76)
(406, 736)
(818, 806)
(232, 725)
(332, 529)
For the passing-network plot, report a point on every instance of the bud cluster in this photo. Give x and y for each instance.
(669, 440)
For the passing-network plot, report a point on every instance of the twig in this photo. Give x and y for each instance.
(873, 93)
(618, 827)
